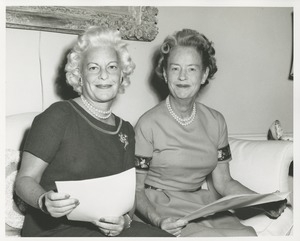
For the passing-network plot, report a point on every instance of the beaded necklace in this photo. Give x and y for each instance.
(185, 121)
(94, 111)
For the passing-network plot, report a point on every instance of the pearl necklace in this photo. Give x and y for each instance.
(185, 121)
(94, 111)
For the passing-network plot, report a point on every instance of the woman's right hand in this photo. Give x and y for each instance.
(59, 204)
(173, 225)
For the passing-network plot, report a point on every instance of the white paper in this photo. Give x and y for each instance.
(234, 202)
(101, 197)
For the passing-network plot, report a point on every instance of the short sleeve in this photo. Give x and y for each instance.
(143, 139)
(47, 131)
(224, 153)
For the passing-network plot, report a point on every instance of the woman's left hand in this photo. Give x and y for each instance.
(110, 226)
(273, 210)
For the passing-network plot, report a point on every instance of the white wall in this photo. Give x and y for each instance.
(251, 88)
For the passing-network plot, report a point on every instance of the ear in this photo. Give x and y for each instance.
(121, 78)
(165, 76)
(205, 75)
(79, 73)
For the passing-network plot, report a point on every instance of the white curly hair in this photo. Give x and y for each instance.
(98, 36)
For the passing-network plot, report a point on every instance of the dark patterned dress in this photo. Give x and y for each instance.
(76, 146)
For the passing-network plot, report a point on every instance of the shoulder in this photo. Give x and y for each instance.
(63, 106)
(152, 115)
(211, 113)
(126, 125)
(56, 111)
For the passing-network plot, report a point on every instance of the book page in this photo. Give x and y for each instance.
(100, 197)
(234, 202)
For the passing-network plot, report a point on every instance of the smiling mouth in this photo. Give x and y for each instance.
(182, 86)
(103, 86)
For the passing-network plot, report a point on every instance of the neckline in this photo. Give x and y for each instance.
(95, 122)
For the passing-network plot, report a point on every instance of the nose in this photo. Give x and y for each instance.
(103, 74)
(182, 74)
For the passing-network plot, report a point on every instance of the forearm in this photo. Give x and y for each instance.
(145, 208)
(29, 190)
(224, 184)
(233, 187)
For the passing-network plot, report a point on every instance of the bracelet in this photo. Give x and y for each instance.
(129, 221)
(41, 203)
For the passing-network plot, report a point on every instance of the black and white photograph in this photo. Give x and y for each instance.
(150, 119)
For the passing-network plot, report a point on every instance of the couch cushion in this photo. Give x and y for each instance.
(13, 215)
(265, 226)
(16, 128)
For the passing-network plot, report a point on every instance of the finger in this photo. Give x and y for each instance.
(59, 214)
(282, 209)
(176, 230)
(109, 232)
(64, 203)
(104, 231)
(174, 225)
(113, 233)
(63, 209)
(54, 196)
(272, 214)
(108, 226)
(181, 223)
(177, 234)
(112, 220)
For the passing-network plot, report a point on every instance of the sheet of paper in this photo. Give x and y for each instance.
(234, 202)
(100, 197)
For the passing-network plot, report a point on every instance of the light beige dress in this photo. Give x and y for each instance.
(182, 158)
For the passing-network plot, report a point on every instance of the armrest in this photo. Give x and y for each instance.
(262, 166)
(16, 127)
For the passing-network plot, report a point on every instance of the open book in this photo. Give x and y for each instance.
(236, 201)
(100, 197)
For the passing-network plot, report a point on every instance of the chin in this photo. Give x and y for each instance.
(184, 96)
(102, 98)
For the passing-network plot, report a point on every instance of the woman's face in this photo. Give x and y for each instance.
(101, 74)
(184, 73)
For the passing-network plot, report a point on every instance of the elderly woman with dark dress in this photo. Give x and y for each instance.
(180, 143)
(80, 139)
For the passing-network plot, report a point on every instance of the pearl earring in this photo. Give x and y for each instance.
(165, 78)
(80, 82)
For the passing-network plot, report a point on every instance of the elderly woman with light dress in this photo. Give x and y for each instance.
(81, 139)
(181, 143)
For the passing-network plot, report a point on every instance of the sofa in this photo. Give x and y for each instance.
(259, 164)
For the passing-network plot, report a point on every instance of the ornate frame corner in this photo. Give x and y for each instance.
(135, 23)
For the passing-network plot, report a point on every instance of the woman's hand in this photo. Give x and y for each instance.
(274, 209)
(173, 225)
(58, 204)
(111, 226)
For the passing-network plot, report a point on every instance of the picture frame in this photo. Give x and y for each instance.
(291, 73)
(134, 22)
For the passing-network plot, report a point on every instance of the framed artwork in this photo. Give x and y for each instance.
(135, 23)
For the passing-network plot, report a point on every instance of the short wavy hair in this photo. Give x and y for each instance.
(188, 38)
(96, 36)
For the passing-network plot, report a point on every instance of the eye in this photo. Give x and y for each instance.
(93, 68)
(112, 68)
(192, 69)
(174, 68)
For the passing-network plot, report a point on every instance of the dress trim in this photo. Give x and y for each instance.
(142, 163)
(93, 125)
(224, 153)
